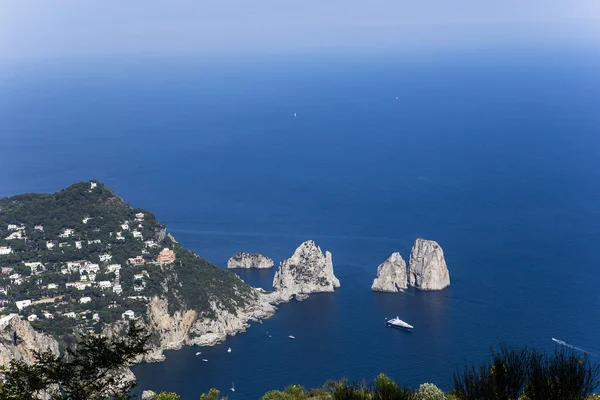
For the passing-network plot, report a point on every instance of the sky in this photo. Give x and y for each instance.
(54, 28)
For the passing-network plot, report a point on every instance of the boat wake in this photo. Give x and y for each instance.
(563, 343)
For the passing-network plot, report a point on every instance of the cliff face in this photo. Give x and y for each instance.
(248, 260)
(172, 331)
(307, 271)
(28, 340)
(391, 275)
(427, 268)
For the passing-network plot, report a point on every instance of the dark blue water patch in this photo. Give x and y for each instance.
(496, 158)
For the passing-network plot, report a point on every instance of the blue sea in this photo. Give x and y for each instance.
(495, 155)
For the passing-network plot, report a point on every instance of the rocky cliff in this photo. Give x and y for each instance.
(249, 260)
(391, 275)
(307, 271)
(186, 327)
(427, 268)
(28, 340)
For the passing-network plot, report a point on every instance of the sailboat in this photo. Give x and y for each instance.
(232, 387)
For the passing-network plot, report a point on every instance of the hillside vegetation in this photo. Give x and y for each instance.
(82, 257)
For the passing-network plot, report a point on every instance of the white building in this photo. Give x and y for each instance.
(105, 257)
(52, 286)
(78, 285)
(113, 268)
(4, 250)
(93, 185)
(15, 235)
(90, 267)
(32, 318)
(48, 315)
(125, 226)
(12, 227)
(150, 243)
(104, 284)
(138, 288)
(36, 267)
(78, 244)
(139, 216)
(75, 265)
(67, 232)
(96, 317)
(64, 244)
(85, 220)
(85, 300)
(129, 314)
(3, 291)
(22, 304)
(120, 236)
(70, 315)
(137, 234)
(117, 289)
(39, 228)
(95, 241)
(50, 245)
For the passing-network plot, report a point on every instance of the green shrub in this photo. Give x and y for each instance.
(428, 391)
(386, 389)
(166, 396)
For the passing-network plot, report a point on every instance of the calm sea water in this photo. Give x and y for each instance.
(495, 157)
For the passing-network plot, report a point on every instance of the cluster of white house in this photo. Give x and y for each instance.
(21, 305)
(86, 270)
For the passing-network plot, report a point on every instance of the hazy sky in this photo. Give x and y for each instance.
(41, 28)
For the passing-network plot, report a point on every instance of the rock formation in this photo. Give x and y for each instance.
(173, 331)
(307, 271)
(28, 340)
(427, 268)
(248, 260)
(391, 275)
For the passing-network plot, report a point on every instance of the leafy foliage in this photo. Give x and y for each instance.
(428, 391)
(93, 369)
(166, 396)
(517, 373)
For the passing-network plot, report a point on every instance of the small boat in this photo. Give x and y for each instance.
(291, 337)
(198, 353)
(229, 350)
(270, 336)
(232, 387)
(295, 115)
(205, 360)
(398, 323)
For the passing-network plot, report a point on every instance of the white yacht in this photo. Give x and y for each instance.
(398, 323)
(291, 337)
(229, 350)
(205, 360)
(232, 387)
(198, 353)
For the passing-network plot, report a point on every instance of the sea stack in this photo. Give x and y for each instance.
(391, 275)
(307, 271)
(427, 268)
(249, 260)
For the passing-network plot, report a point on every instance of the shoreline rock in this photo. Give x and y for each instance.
(308, 270)
(249, 260)
(427, 268)
(391, 275)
